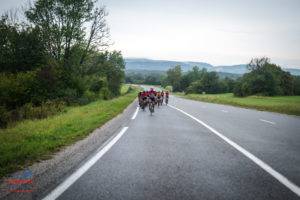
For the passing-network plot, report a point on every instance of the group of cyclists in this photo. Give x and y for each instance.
(151, 98)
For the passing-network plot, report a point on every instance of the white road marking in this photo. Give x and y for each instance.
(225, 111)
(135, 113)
(79, 172)
(267, 121)
(293, 187)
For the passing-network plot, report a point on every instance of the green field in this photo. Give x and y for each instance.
(33, 140)
(281, 104)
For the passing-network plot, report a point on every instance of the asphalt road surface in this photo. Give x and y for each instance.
(193, 150)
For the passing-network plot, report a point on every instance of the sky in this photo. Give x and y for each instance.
(220, 32)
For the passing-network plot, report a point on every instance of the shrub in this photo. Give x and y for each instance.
(17, 89)
(169, 88)
(4, 117)
(29, 111)
(97, 83)
(91, 96)
(69, 95)
(48, 108)
(105, 93)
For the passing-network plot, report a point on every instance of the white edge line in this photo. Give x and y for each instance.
(267, 121)
(290, 185)
(135, 113)
(79, 172)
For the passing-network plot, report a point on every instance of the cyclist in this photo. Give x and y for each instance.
(152, 100)
(159, 98)
(144, 97)
(140, 98)
(167, 97)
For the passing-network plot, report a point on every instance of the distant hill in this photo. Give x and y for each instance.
(234, 69)
(161, 65)
(164, 65)
(293, 71)
(158, 73)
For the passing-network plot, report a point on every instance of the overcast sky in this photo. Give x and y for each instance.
(220, 32)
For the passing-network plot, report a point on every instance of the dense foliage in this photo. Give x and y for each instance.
(144, 77)
(197, 81)
(264, 78)
(51, 60)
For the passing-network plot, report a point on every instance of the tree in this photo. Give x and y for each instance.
(62, 24)
(296, 85)
(191, 76)
(20, 47)
(174, 77)
(99, 32)
(110, 65)
(258, 63)
(265, 78)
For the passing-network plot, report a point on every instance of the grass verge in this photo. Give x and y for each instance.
(33, 140)
(281, 104)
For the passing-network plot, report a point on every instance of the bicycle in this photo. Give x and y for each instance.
(158, 101)
(143, 104)
(151, 107)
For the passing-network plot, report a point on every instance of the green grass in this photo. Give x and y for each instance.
(280, 104)
(33, 140)
(124, 89)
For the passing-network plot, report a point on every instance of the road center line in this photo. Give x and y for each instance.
(79, 172)
(135, 113)
(267, 121)
(290, 185)
(225, 111)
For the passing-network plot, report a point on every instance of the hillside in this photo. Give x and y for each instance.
(133, 64)
(161, 65)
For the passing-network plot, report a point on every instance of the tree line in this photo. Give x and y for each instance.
(264, 78)
(56, 56)
(145, 77)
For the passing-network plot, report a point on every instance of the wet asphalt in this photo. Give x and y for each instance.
(170, 156)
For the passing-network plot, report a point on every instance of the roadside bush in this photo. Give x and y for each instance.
(82, 101)
(194, 87)
(17, 89)
(130, 89)
(97, 83)
(169, 88)
(105, 93)
(29, 111)
(91, 96)
(3, 117)
(69, 95)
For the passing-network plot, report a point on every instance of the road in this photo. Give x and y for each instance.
(193, 150)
